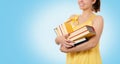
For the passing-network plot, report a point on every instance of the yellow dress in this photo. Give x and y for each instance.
(91, 56)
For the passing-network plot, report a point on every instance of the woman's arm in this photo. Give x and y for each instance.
(62, 39)
(98, 26)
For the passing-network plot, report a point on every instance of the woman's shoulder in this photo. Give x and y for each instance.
(99, 19)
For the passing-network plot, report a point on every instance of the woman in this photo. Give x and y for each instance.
(88, 52)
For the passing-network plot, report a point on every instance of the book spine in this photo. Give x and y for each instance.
(78, 31)
(80, 41)
(64, 28)
(61, 30)
(79, 35)
(56, 31)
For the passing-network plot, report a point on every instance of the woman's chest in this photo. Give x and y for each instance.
(78, 24)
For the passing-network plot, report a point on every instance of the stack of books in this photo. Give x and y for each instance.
(78, 36)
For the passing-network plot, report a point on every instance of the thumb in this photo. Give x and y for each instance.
(67, 35)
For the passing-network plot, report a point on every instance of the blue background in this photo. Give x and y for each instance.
(27, 36)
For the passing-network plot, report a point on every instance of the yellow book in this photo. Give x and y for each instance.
(63, 29)
(68, 27)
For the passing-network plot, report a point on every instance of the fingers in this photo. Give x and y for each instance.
(66, 35)
(65, 42)
(63, 49)
(68, 45)
(70, 42)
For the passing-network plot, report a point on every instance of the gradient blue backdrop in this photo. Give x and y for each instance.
(27, 36)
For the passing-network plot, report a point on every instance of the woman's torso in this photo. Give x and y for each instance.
(91, 56)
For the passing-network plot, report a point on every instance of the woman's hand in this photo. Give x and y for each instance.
(63, 41)
(66, 49)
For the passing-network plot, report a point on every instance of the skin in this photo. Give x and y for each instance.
(86, 7)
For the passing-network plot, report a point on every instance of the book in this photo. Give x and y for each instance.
(63, 29)
(85, 31)
(78, 36)
(80, 41)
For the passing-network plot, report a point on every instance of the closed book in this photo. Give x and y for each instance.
(80, 41)
(56, 31)
(80, 30)
(63, 29)
(85, 33)
(68, 27)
